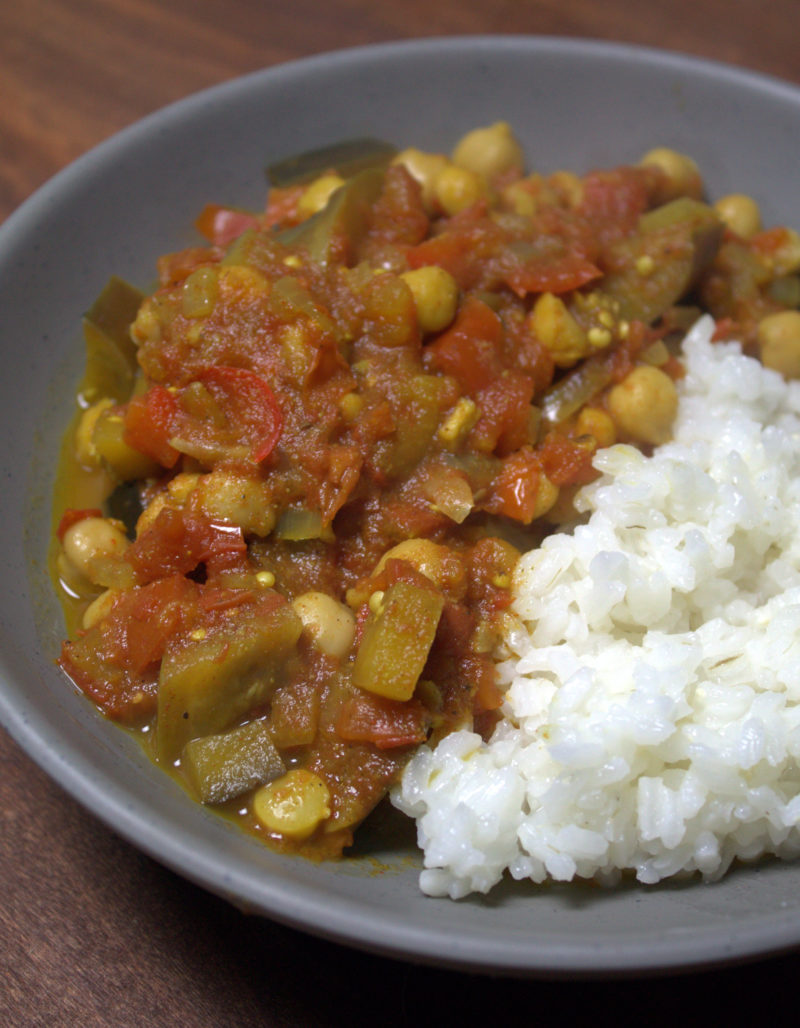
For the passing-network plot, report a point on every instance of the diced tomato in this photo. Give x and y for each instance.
(551, 273)
(175, 267)
(387, 724)
(159, 424)
(565, 461)
(73, 516)
(343, 472)
(399, 215)
(612, 201)
(179, 542)
(558, 257)
(515, 492)
(253, 419)
(282, 206)
(114, 662)
(505, 406)
(767, 242)
(468, 349)
(463, 248)
(221, 225)
(148, 425)
(454, 629)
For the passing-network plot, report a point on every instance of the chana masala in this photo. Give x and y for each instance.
(303, 468)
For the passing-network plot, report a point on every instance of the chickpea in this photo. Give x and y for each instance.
(238, 498)
(95, 547)
(146, 327)
(183, 485)
(458, 188)
(435, 293)
(595, 422)
(438, 563)
(779, 342)
(644, 404)
(176, 494)
(330, 624)
(294, 804)
(558, 331)
(425, 168)
(740, 213)
(546, 497)
(568, 186)
(151, 512)
(681, 174)
(490, 151)
(317, 194)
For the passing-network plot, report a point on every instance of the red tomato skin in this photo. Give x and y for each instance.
(148, 425)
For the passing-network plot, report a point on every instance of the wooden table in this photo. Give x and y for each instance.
(91, 931)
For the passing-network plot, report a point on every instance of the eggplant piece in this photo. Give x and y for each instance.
(346, 158)
(208, 684)
(657, 266)
(222, 766)
(110, 352)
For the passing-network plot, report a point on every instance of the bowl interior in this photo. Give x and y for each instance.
(574, 105)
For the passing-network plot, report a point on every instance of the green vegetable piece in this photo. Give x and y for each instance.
(657, 266)
(223, 766)
(577, 387)
(207, 685)
(126, 463)
(396, 644)
(297, 524)
(417, 422)
(333, 232)
(110, 352)
(347, 158)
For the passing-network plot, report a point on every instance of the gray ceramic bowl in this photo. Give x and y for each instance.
(575, 105)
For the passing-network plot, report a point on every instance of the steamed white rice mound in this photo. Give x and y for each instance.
(652, 714)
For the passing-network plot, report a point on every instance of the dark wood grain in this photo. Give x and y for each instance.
(93, 933)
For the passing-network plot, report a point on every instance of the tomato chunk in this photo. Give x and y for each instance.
(223, 413)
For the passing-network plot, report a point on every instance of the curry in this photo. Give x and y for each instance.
(302, 469)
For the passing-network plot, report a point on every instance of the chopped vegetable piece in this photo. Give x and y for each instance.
(206, 684)
(396, 644)
(221, 225)
(110, 352)
(347, 158)
(388, 724)
(223, 766)
(332, 234)
(653, 269)
(109, 441)
(252, 419)
(223, 413)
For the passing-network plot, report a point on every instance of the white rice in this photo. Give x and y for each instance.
(652, 714)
